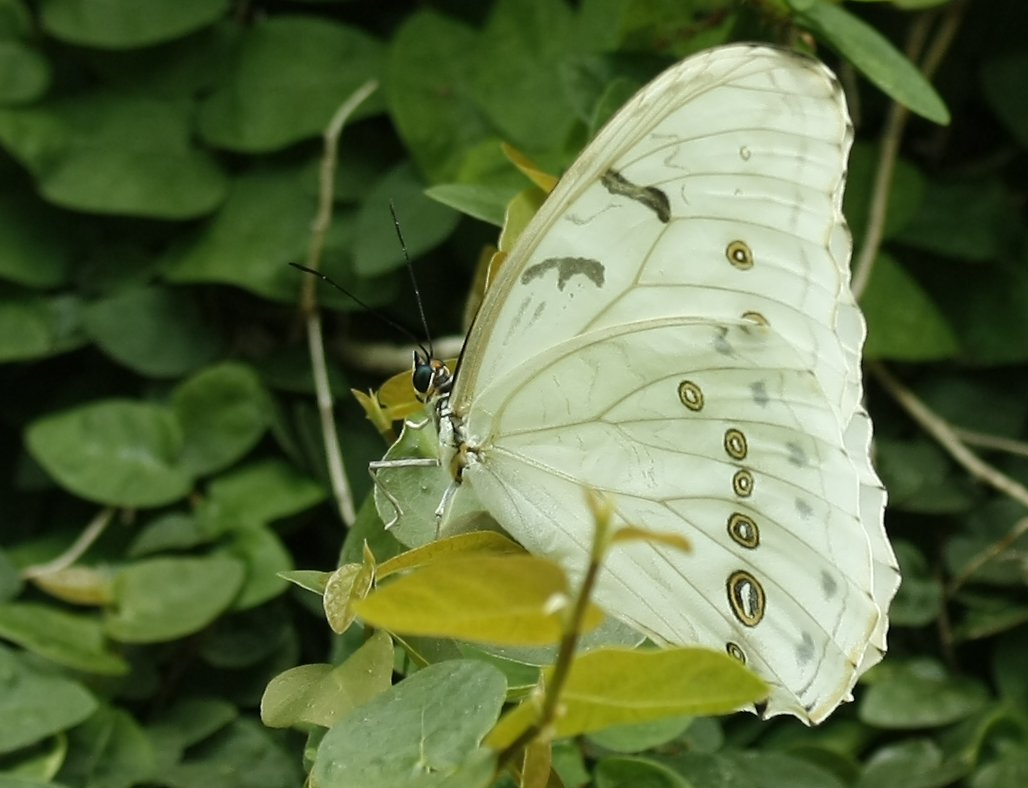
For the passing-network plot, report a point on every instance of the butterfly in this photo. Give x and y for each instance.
(675, 329)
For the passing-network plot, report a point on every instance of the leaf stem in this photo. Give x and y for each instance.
(569, 641)
(76, 550)
(309, 302)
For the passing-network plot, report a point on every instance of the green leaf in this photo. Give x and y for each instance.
(114, 452)
(428, 90)
(324, 694)
(920, 477)
(265, 557)
(903, 322)
(523, 97)
(156, 331)
(263, 226)
(622, 686)
(186, 722)
(426, 223)
(35, 327)
(416, 489)
(785, 770)
(260, 492)
(1003, 75)
(907, 192)
(919, 694)
(170, 531)
(874, 55)
(35, 704)
(480, 201)
(640, 736)
(346, 585)
(166, 598)
(640, 772)
(425, 731)
(985, 306)
(123, 24)
(74, 641)
(992, 523)
(224, 411)
(914, 762)
(31, 253)
(109, 749)
(289, 76)
(919, 599)
(466, 545)
(249, 639)
(112, 153)
(24, 73)
(507, 600)
(967, 219)
(242, 755)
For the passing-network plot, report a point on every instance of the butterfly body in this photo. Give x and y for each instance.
(675, 329)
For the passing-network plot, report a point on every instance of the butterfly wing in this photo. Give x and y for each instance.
(675, 327)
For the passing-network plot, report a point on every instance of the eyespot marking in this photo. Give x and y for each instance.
(735, 444)
(691, 395)
(735, 651)
(743, 530)
(740, 255)
(746, 598)
(742, 483)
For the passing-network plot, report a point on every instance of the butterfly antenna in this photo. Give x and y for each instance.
(380, 315)
(414, 283)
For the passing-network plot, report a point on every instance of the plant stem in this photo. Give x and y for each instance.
(939, 429)
(309, 303)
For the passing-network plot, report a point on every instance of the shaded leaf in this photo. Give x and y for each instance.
(289, 75)
(74, 641)
(118, 24)
(421, 732)
(156, 331)
(167, 598)
(115, 452)
(35, 705)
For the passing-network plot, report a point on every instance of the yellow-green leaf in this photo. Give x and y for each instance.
(509, 600)
(618, 686)
(323, 694)
(348, 583)
(479, 542)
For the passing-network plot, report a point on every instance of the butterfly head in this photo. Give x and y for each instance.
(430, 377)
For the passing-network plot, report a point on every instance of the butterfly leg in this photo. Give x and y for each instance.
(379, 465)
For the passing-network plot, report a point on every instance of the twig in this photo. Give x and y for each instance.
(86, 539)
(573, 624)
(309, 304)
(946, 437)
(892, 135)
(994, 442)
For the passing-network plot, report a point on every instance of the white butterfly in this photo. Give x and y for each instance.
(675, 328)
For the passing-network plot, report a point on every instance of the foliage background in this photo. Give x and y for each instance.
(162, 452)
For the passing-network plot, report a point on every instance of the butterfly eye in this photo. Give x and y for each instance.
(423, 373)
(430, 376)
